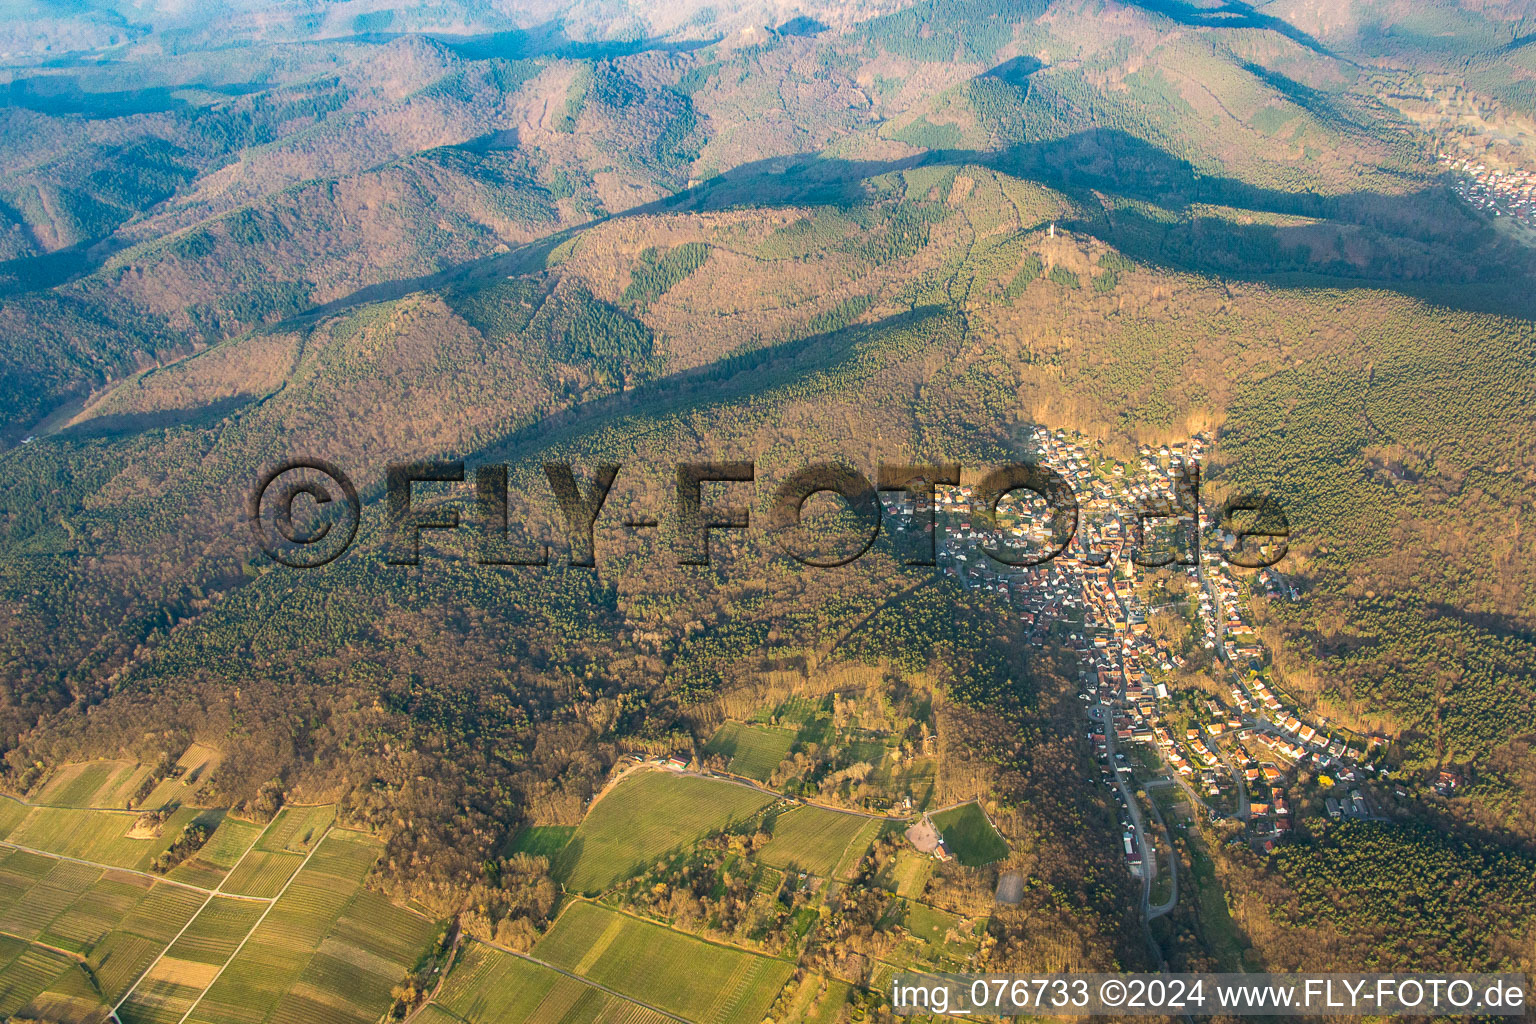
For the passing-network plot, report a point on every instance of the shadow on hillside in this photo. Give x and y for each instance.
(1159, 209)
(1146, 203)
(550, 40)
(720, 382)
(1228, 14)
(120, 424)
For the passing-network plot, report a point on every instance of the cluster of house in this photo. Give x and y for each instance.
(1223, 617)
(1120, 656)
(1501, 193)
(1269, 810)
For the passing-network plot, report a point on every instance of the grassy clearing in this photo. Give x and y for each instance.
(645, 816)
(970, 836)
(929, 924)
(754, 750)
(488, 986)
(664, 968)
(818, 841)
(541, 840)
(907, 873)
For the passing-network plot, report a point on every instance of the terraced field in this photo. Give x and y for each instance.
(818, 841)
(695, 979)
(488, 986)
(754, 750)
(646, 815)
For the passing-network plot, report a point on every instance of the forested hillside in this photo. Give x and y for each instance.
(883, 233)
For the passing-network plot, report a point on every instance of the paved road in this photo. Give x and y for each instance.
(1173, 863)
(1149, 855)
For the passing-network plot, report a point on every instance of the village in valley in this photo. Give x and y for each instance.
(1179, 694)
(1498, 192)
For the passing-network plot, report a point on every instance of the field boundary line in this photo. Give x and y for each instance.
(584, 980)
(623, 912)
(162, 879)
(297, 871)
(50, 947)
(211, 894)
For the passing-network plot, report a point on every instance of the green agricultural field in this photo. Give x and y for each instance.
(754, 750)
(223, 850)
(92, 784)
(11, 814)
(487, 986)
(263, 873)
(98, 836)
(279, 851)
(26, 972)
(119, 959)
(326, 951)
(296, 828)
(667, 969)
(169, 989)
(646, 816)
(116, 922)
(541, 840)
(818, 841)
(970, 836)
(95, 912)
